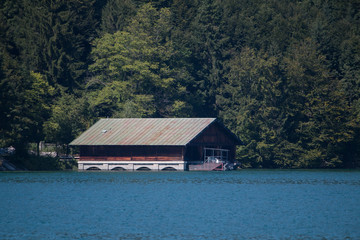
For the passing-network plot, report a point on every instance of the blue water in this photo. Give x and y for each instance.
(246, 204)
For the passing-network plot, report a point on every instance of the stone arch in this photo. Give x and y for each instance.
(143, 169)
(93, 169)
(119, 169)
(168, 169)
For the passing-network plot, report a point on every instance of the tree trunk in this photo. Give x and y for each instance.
(38, 148)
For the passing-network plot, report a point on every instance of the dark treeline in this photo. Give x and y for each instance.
(283, 75)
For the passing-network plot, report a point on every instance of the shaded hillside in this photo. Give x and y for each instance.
(283, 75)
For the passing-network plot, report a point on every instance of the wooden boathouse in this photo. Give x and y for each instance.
(134, 144)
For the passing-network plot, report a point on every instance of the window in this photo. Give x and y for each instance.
(216, 155)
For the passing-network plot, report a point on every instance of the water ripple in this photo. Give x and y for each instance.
(180, 205)
(176, 178)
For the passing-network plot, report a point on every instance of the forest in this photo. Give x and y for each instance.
(283, 75)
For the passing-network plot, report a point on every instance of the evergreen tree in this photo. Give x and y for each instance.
(140, 60)
(70, 116)
(116, 15)
(53, 38)
(249, 104)
(323, 122)
(206, 48)
(283, 75)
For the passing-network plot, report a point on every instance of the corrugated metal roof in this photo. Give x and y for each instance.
(143, 131)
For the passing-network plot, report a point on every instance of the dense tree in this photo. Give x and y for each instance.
(27, 99)
(136, 64)
(204, 43)
(283, 75)
(324, 120)
(70, 116)
(249, 104)
(53, 38)
(116, 15)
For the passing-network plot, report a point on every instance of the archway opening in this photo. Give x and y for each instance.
(118, 169)
(168, 169)
(143, 169)
(93, 169)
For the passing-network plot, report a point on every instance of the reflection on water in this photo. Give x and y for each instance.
(246, 204)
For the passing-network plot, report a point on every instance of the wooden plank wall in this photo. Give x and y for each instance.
(131, 153)
(212, 137)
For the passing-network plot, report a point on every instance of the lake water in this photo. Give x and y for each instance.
(245, 204)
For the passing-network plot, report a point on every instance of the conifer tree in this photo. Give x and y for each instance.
(116, 15)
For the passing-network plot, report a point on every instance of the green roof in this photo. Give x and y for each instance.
(143, 131)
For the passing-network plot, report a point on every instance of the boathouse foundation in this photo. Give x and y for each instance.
(131, 166)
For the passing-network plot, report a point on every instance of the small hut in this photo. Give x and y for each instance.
(133, 144)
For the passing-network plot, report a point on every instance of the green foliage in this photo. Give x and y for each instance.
(249, 104)
(283, 75)
(53, 38)
(116, 15)
(27, 99)
(117, 100)
(325, 119)
(132, 69)
(37, 163)
(69, 118)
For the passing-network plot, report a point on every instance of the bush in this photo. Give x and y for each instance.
(40, 163)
